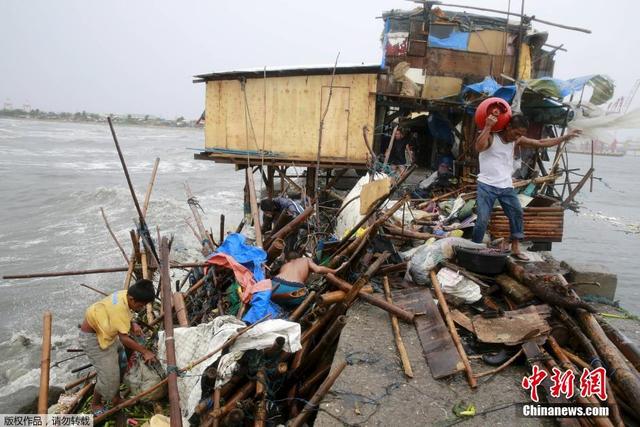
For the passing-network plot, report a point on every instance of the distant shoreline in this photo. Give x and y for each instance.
(129, 120)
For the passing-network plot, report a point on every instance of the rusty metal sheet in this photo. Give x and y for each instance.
(437, 345)
(512, 328)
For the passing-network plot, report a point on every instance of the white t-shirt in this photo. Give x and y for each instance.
(496, 163)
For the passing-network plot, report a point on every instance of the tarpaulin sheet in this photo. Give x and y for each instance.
(603, 87)
(490, 87)
(250, 256)
(197, 341)
(457, 41)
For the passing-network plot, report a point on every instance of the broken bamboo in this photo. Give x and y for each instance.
(315, 400)
(113, 236)
(172, 376)
(255, 211)
(624, 377)
(45, 364)
(404, 357)
(452, 329)
(402, 314)
(627, 347)
(207, 243)
(290, 227)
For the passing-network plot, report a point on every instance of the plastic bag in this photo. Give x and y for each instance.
(427, 256)
(140, 377)
(455, 284)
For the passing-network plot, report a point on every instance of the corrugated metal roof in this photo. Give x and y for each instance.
(313, 70)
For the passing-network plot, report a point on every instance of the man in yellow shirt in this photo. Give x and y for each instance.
(106, 321)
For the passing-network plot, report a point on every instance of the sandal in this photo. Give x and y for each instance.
(520, 256)
(99, 411)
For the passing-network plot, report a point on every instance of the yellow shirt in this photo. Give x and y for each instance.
(109, 317)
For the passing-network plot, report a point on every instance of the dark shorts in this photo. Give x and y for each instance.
(287, 293)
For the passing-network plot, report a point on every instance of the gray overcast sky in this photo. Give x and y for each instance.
(139, 56)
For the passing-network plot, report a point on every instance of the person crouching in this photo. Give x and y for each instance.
(104, 323)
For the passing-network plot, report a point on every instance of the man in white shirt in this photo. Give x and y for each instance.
(494, 181)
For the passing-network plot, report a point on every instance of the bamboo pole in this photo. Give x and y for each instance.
(565, 363)
(207, 243)
(317, 397)
(255, 211)
(180, 309)
(115, 239)
(145, 275)
(45, 364)
(93, 271)
(172, 377)
(394, 230)
(313, 379)
(79, 381)
(329, 298)
(624, 377)
(78, 397)
(404, 357)
(147, 194)
(216, 407)
(299, 311)
(452, 329)
(287, 229)
(342, 285)
(627, 347)
(94, 289)
(221, 228)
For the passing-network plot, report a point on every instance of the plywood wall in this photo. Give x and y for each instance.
(236, 118)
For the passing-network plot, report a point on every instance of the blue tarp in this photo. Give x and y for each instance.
(251, 257)
(457, 40)
(261, 305)
(490, 87)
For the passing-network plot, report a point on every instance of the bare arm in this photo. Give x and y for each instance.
(483, 140)
(129, 342)
(548, 142)
(324, 270)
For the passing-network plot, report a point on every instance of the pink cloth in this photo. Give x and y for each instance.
(243, 275)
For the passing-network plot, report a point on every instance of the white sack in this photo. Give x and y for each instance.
(197, 341)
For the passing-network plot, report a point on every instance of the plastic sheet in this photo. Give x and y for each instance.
(194, 342)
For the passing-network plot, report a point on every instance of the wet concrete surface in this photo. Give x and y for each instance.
(373, 390)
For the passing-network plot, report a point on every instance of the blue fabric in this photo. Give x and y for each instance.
(385, 39)
(490, 87)
(508, 198)
(440, 128)
(250, 256)
(261, 305)
(458, 40)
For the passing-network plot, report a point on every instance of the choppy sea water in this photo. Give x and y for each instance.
(55, 177)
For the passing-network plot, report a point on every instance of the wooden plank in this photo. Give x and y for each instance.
(287, 119)
(463, 320)
(439, 87)
(455, 63)
(241, 161)
(417, 48)
(491, 42)
(438, 347)
(372, 192)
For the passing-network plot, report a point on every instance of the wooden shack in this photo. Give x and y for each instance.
(273, 116)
